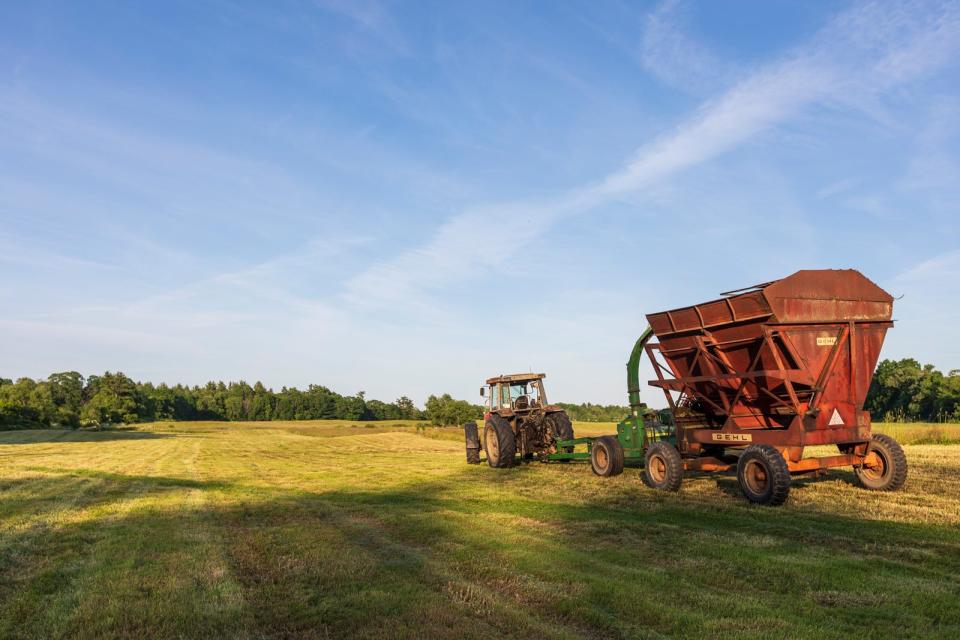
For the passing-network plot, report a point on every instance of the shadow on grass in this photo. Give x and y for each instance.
(148, 483)
(60, 491)
(727, 482)
(470, 555)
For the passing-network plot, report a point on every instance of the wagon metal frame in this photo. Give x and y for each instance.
(802, 406)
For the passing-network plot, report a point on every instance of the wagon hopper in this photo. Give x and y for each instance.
(755, 377)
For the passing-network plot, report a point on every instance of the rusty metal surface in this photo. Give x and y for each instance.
(517, 377)
(807, 465)
(828, 296)
(788, 362)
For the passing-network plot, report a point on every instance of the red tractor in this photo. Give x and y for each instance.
(518, 421)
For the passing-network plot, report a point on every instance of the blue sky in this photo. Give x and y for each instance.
(405, 198)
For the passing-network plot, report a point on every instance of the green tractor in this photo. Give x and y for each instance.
(520, 425)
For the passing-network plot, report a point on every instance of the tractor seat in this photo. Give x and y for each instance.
(522, 402)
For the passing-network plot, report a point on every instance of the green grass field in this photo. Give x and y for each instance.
(327, 530)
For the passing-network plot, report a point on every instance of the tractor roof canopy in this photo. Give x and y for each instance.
(517, 377)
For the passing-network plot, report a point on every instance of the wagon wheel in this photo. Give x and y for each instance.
(763, 475)
(663, 467)
(606, 456)
(890, 471)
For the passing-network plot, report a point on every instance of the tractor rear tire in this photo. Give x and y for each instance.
(562, 429)
(472, 437)
(663, 467)
(892, 472)
(763, 475)
(499, 442)
(606, 456)
(562, 425)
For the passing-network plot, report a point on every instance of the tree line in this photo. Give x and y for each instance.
(906, 391)
(589, 412)
(444, 410)
(69, 400)
(901, 391)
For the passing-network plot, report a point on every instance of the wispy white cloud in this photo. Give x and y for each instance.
(95, 334)
(929, 173)
(926, 318)
(865, 50)
(274, 280)
(875, 205)
(256, 321)
(15, 252)
(932, 169)
(837, 187)
(944, 267)
(373, 18)
(669, 53)
(187, 176)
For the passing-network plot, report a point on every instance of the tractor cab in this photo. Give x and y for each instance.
(515, 393)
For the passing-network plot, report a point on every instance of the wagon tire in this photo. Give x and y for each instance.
(606, 456)
(499, 442)
(763, 475)
(892, 472)
(472, 436)
(662, 467)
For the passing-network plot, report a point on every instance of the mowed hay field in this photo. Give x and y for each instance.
(327, 530)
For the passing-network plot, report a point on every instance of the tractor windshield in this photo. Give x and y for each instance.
(529, 391)
(506, 394)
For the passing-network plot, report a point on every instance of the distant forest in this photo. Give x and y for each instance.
(905, 391)
(901, 391)
(68, 400)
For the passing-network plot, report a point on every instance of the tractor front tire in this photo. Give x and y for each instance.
(663, 467)
(472, 437)
(891, 473)
(606, 456)
(763, 475)
(499, 442)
